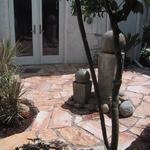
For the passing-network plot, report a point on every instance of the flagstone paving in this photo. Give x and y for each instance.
(51, 86)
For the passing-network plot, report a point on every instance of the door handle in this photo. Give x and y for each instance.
(34, 29)
(40, 29)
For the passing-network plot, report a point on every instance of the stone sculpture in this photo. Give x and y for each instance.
(82, 96)
(107, 64)
(82, 86)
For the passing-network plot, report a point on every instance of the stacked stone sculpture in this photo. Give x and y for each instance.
(106, 72)
(82, 87)
(82, 96)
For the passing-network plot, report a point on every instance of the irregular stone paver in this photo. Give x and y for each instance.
(142, 110)
(128, 122)
(136, 98)
(60, 118)
(51, 86)
(140, 125)
(78, 137)
(125, 140)
(139, 89)
(147, 99)
(16, 140)
(93, 126)
(47, 135)
(41, 121)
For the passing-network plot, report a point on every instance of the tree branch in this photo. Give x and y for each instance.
(91, 65)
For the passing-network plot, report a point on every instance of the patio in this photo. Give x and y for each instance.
(49, 86)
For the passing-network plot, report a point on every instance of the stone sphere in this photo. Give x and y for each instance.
(105, 108)
(24, 110)
(126, 109)
(107, 42)
(82, 76)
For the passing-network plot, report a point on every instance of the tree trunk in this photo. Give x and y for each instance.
(117, 81)
(91, 65)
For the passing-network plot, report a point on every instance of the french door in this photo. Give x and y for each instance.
(36, 25)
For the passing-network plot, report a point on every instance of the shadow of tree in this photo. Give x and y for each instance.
(143, 140)
(21, 125)
(78, 111)
(144, 70)
(49, 70)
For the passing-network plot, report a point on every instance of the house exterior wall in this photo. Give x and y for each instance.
(4, 20)
(73, 47)
(74, 50)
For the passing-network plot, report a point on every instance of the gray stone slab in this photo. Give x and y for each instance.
(106, 72)
(81, 92)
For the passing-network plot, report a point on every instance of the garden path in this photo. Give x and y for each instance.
(49, 87)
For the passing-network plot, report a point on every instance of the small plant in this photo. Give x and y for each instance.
(11, 88)
(145, 56)
(7, 53)
(10, 92)
(38, 144)
(131, 41)
(146, 34)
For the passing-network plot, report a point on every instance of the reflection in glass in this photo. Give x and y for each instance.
(50, 16)
(23, 26)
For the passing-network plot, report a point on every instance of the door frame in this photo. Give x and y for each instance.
(53, 58)
(37, 57)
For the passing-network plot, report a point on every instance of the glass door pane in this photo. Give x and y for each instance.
(50, 26)
(23, 26)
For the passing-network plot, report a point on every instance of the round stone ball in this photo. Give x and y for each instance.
(107, 42)
(105, 108)
(82, 76)
(126, 109)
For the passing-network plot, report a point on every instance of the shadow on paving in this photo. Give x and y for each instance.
(20, 125)
(49, 70)
(78, 111)
(144, 70)
(143, 140)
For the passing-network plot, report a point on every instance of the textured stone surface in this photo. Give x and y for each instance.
(140, 126)
(78, 137)
(60, 118)
(13, 141)
(142, 110)
(106, 69)
(47, 135)
(136, 98)
(81, 92)
(125, 139)
(41, 121)
(139, 89)
(82, 76)
(93, 126)
(107, 42)
(50, 91)
(128, 122)
(105, 108)
(126, 109)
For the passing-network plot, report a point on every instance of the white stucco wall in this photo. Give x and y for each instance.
(4, 20)
(74, 50)
(73, 47)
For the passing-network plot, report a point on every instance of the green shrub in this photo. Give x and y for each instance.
(10, 88)
(7, 53)
(10, 92)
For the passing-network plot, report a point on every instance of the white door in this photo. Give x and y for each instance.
(36, 25)
(50, 31)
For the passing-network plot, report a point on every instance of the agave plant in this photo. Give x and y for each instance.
(7, 53)
(10, 88)
(10, 92)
